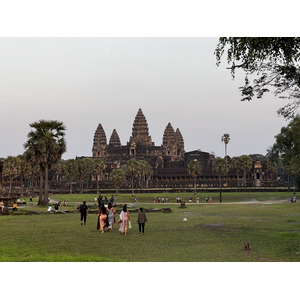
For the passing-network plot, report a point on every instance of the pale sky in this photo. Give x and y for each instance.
(86, 81)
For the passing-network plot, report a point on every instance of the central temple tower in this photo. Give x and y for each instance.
(140, 132)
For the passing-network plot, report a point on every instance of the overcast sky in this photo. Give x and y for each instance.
(86, 81)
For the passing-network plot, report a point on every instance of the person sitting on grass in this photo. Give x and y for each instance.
(49, 208)
(15, 207)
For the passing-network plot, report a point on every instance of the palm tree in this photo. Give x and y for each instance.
(194, 168)
(131, 169)
(144, 171)
(86, 167)
(226, 138)
(45, 146)
(1, 172)
(12, 169)
(117, 178)
(246, 165)
(70, 167)
(236, 164)
(100, 166)
(219, 167)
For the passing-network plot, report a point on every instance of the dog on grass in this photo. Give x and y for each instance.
(247, 246)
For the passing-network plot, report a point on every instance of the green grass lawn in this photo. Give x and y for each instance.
(149, 197)
(211, 233)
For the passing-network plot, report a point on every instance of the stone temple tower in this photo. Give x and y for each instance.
(169, 141)
(140, 132)
(99, 145)
(114, 139)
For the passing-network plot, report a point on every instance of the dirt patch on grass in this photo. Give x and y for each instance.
(210, 226)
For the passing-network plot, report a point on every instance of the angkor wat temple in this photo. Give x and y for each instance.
(169, 161)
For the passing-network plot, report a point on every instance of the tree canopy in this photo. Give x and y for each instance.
(274, 63)
(286, 148)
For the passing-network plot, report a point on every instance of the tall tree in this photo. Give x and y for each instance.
(70, 167)
(99, 167)
(246, 165)
(219, 167)
(1, 173)
(12, 169)
(144, 171)
(194, 168)
(271, 62)
(86, 168)
(22, 170)
(237, 165)
(117, 178)
(131, 169)
(45, 146)
(226, 138)
(286, 148)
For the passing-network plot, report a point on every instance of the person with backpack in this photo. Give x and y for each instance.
(83, 208)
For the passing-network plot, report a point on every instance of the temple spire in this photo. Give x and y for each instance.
(140, 132)
(115, 139)
(99, 144)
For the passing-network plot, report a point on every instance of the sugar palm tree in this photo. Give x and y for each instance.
(131, 169)
(70, 167)
(45, 146)
(100, 166)
(12, 169)
(236, 164)
(86, 168)
(219, 167)
(226, 138)
(246, 165)
(117, 178)
(144, 171)
(194, 168)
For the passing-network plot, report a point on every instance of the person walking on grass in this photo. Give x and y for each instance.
(142, 219)
(84, 210)
(124, 218)
(102, 218)
(110, 216)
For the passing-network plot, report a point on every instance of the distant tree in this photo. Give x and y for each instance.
(22, 170)
(11, 169)
(99, 167)
(1, 173)
(272, 61)
(70, 167)
(246, 165)
(226, 138)
(86, 168)
(286, 148)
(144, 171)
(117, 178)
(131, 169)
(194, 168)
(258, 157)
(219, 167)
(237, 165)
(45, 146)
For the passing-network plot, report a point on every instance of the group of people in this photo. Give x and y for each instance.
(56, 206)
(104, 200)
(106, 218)
(161, 200)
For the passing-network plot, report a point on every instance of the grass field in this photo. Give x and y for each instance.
(212, 232)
